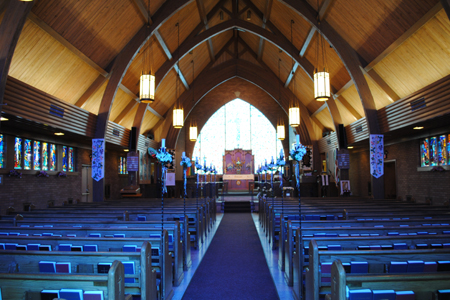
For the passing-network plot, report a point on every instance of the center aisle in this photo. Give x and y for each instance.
(234, 267)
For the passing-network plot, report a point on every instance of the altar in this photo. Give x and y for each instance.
(238, 169)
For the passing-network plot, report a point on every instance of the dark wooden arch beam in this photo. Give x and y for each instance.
(348, 56)
(279, 41)
(10, 28)
(210, 79)
(125, 57)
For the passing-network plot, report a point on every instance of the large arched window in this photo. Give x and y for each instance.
(237, 124)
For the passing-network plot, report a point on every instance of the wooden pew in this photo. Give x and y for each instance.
(423, 285)
(314, 286)
(163, 261)
(196, 226)
(291, 263)
(184, 234)
(129, 232)
(288, 237)
(145, 277)
(16, 286)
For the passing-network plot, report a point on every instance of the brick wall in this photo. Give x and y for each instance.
(16, 192)
(409, 181)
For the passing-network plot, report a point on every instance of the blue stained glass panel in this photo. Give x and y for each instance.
(64, 159)
(433, 151)
(27, 158)
(442, 151)
(44, 156)
(71, 169)
(2, 152)
(425, 153)
(36, 155)
(52, 157)
(17, 153)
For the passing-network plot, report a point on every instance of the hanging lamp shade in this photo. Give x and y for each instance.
(322, 85)
(280, 132)
(294, 116)
(147, 88)
(178, 117)
(193, 133)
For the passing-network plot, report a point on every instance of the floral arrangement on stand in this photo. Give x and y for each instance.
(272, 168)
(14, 173)
(280, 164)
(42, 174)
(62, 174)
(185, 163)
(164, 158)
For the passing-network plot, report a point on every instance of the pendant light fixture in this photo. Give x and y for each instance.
(321, 75)
(147, 79)
(193, 128)
(280, 124)
(178, 112)
(294, 109)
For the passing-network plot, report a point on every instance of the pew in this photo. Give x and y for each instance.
(378, 260)
(18, 286)
(26, 261)
(163, 261)
(423, 285)
(145, 232)
(184, 234)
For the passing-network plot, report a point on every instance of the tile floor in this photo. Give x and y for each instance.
(284, 292)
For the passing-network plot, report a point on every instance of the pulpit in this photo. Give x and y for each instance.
(238, 169)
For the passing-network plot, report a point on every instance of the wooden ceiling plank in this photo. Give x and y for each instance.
(266, 16)
(143, 10)
(150, 109)
(350, 108)
(324, 9)
(291, 74)
(319, 110)
(307, 41)
(163, 45)
(41, 24)
(203, 17)
(383, 85)
(91, 90)
(413, 29)
(125, 111)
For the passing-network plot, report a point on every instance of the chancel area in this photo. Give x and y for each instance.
(224, 149)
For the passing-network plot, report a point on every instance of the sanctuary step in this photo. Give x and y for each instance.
(237, 206)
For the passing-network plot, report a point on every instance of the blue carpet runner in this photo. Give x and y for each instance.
(234, 266)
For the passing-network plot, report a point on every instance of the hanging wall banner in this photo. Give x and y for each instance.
(98, 159)
(376, 155)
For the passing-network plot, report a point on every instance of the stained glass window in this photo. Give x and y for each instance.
(448, 149)
(27, 157)
(36, 155)
(237, 125)
(64, 159)
(2, 155)
(433, 151)
(442, 151)
(70, 159)
(52, 157)
(44, 156)
(123, 165)
(18, 153)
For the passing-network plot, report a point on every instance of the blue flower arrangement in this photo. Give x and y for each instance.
(62, 174)
(14, 173)
(298, 152)
(42, 174)
(185, 162)
(272, 167)
(280, 161)
(198, 166)
(164, 157)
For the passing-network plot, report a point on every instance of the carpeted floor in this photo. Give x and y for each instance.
(234, 267)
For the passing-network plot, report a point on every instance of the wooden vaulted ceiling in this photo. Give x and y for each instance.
(67, 49)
